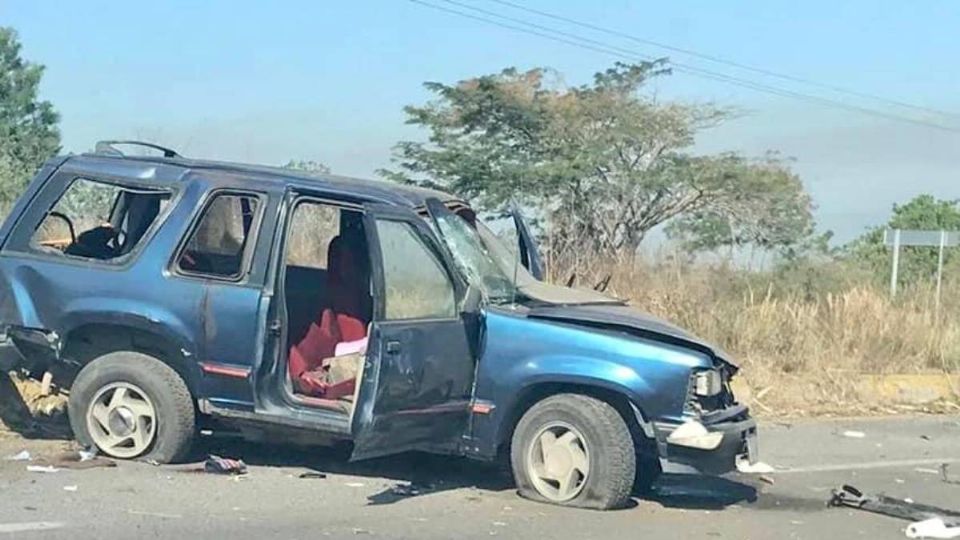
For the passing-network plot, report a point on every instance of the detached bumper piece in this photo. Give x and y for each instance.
(851, 497)
(708, 445)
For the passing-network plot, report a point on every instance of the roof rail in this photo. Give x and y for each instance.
(109, 148)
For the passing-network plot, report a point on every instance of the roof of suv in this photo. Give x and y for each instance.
(371, 190)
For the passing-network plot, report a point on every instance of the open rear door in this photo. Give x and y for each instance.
(417, 380)
(528, 248)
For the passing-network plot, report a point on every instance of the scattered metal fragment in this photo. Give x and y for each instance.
(219, 465)
(313, 475)
(851, 497)
(945, 474)
(854, 434)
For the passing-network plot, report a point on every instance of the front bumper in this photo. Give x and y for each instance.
(713, 447)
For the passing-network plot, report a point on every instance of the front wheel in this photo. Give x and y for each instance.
(131, 405)
(574, 450)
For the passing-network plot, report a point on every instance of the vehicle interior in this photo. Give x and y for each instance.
(329, 307)
(98, 220)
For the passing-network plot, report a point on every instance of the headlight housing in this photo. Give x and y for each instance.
(707, 383)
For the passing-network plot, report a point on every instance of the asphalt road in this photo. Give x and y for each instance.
(454, 498)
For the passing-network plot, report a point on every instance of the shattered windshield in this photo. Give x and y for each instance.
(474, 258)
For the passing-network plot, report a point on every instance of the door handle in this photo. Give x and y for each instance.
(393, 347)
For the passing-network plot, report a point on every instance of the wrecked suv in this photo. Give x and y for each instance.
(168, 293)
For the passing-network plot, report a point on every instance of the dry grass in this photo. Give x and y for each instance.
(802, 350)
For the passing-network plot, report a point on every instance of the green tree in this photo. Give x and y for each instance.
(764, 205)
(28, 125)
(600, 164)
(924, 212)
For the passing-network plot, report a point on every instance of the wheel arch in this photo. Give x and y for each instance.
(86, 342)
(619, 398)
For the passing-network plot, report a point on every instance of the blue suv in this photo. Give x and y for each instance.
(168, 293)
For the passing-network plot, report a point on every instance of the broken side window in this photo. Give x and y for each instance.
(417, 286)
(219, 244)
(99, 220)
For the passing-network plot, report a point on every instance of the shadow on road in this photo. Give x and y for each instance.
(419, 474)
(700, 492)
(415, 473)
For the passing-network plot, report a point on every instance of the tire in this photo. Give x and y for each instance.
(144, 384)
(599, 432)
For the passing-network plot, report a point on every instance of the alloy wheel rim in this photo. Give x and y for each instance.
(558, 459)
(122, 420)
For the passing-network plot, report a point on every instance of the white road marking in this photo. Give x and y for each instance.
(868, 465)
(29, 526)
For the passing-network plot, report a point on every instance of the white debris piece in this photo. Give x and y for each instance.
(24, 455)
(854, 434)
(759, 467)
(932, 528)
(70, 488)
(42, 469)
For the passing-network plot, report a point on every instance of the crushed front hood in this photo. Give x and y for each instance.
(626, 317)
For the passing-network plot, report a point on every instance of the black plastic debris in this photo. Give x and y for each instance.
(945, 474)
(851, 497)
(219, 465)
(313, 475)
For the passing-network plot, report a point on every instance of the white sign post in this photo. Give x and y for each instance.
(939, 239)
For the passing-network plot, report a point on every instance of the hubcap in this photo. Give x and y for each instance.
(559, 461)
(122, 420)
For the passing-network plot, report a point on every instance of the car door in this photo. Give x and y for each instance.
(417, 382)
(527, 244)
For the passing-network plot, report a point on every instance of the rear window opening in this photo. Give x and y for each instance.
(99, 220)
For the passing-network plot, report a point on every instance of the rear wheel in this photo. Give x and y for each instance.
(574, 450)
(131, 405)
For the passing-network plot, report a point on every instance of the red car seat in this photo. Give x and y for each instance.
(345, 319)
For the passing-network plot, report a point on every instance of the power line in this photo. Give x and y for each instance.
(725, 61)
(598, 46)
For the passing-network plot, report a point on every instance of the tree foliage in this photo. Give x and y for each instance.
(764, 205)
(600, 164)
(28, 125)
(924, 212)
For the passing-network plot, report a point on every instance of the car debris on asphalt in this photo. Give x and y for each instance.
(313, 475)
(854, 434)
(46, 469)
(945, 474)
(932, 528)
(928, 521)
(23, 455)
(220, 465)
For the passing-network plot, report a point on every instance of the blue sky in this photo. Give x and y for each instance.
(270, 81)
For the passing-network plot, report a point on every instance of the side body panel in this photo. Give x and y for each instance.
(519, 353)
(203, 322)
